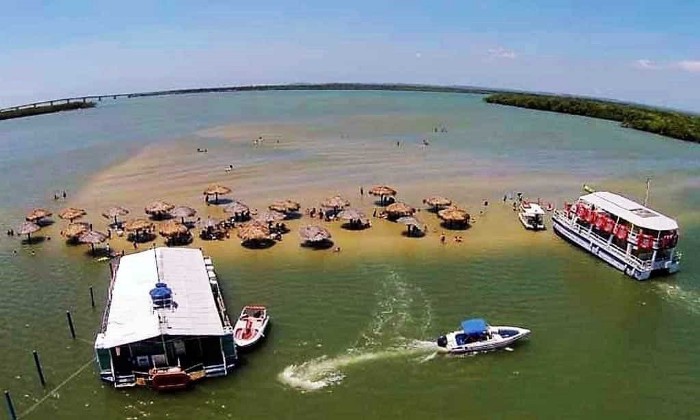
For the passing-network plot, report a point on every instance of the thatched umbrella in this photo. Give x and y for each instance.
(269, 217)
(216, 191)
(159, 209)
(92, 237)
(182, 212)
(413, 224)
(436, 202)
(37, 214)
(335, 203)
(396, 210)
(74, 230)
(172, 228)
(138, 226)
(253, 232)
(174, 231)
(453, 215)
(354, 217)
(71, 213)
(239, 209)
(285, 206)
(314, 233)
(211, 223)
(382, 191)
(27, 228)
(114, 212)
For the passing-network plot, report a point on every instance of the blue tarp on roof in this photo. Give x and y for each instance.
(474, 326)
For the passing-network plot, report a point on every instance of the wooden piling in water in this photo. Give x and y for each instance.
(10, 406)
(39, 370)
(70, 324)
(92, 297)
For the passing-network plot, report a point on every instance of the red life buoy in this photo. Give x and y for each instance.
(621, 232)
(645, 241)
(600, 221)
(609, 225)
(581, 212)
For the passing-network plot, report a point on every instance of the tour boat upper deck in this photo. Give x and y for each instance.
(629, 236)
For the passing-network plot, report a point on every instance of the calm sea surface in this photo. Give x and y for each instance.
(352, 336)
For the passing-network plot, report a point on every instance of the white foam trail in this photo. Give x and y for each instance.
(323, 371)
(402, 310)
(689, 299)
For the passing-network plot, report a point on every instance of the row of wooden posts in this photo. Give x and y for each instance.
(37, 361)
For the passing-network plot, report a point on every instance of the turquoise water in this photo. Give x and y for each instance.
(350, 335)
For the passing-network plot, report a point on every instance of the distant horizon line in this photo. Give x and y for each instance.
(347, 86)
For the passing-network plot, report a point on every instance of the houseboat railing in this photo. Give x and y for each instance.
(114, 264)
(602, 242)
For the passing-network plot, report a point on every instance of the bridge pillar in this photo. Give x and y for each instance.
(51, 103)
(84, 100)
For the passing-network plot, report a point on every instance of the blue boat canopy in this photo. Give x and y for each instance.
(474, 326)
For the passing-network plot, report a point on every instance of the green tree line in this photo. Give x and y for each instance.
(677, 125)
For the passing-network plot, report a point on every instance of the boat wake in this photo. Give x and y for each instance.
(402, 311)
(687, 298)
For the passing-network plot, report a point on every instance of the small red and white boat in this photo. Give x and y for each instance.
(250, 327)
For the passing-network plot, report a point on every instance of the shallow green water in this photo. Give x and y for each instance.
(349, 335)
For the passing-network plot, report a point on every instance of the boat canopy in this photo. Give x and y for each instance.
(474, 326)
(630, 211)
(532, 209)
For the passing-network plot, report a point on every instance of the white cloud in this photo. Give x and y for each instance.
(501, 52)
(689, 65)
(645, 64)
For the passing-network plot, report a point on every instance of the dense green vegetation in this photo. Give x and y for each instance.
(44, 109)
(666, 123)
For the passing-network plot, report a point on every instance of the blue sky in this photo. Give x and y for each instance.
(644, 51)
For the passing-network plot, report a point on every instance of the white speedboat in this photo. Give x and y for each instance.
(531, 215)
(477, 336)
(250, 327)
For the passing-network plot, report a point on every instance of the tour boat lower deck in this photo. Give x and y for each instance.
(630, 237)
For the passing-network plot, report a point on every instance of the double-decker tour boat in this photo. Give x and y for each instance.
(625, 234)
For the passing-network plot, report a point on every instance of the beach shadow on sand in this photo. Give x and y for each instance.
(414, 235)
(317, 246)
(220, 202)
(456, 226)
(33, 240)
(268, 243)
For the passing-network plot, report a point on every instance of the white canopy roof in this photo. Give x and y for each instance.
(634, 213)
(131, 315)
(532, 209)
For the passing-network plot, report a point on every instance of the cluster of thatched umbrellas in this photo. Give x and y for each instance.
(262, 229)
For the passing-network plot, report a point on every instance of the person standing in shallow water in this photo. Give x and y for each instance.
(362, 191)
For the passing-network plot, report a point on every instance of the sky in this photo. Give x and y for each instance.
(645, 51)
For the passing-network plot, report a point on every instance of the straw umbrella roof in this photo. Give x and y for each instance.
(313, 233)
(217, 190)
(285, 206)
(37, 214)
(92, 237)
(172, 228)
(400, 209)
(211, 223)
(237, 207)
(138, 224)
(351, 214)
(437, 201)
(182, 212)
(158, 207)
(253, 231)
(270, 217)
(27, 228)
(410, 221)
(74, 230)
(454, 214)
(335, 202)
(382, 190)
(71, 213)
(114, 212)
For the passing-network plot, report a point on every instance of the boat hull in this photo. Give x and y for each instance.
(493, 344)
(529, 225)
(252, 341)
(570, 235)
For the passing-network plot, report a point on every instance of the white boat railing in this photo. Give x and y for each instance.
(602, 242)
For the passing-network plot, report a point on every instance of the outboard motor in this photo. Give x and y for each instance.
(442, 341)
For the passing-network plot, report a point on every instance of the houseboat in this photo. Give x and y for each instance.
(531, 215)
(165, 324)
(627, 235)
